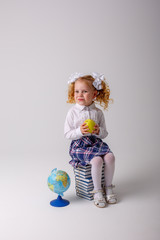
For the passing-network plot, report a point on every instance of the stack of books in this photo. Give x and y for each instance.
(84, 183)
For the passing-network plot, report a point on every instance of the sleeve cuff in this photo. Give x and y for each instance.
(78, 132)
(102, 133)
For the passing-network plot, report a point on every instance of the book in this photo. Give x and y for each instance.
(85, 196)
(86, 191)
(88, 180)
(78, 171)
(84, 182)
(84, 174)
(80, 184)
(85, 188)
(85, 168)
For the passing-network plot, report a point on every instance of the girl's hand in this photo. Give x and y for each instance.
(84, 128)
(96, 130)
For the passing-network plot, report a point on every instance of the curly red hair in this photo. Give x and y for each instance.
(102, 97)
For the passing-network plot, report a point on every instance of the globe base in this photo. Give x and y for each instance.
(59, 202)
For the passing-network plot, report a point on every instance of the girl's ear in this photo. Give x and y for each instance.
(95, 93)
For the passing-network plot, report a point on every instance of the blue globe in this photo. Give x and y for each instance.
(58, 181)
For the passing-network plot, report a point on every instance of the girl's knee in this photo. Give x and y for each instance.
(98, 161)
(109, 157)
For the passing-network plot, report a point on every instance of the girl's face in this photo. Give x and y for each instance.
(84, 93)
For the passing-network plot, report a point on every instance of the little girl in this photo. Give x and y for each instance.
(87, 148)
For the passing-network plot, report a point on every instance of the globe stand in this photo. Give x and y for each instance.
(59, 202)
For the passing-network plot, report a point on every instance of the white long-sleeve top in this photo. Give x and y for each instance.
(77, 115)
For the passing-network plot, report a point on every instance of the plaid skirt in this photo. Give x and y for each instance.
(84, 149)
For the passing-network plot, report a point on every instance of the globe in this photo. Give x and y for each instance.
(59, 182)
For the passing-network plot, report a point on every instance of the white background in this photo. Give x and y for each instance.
(41, 44)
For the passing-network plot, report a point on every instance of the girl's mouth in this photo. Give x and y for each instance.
(80, 99)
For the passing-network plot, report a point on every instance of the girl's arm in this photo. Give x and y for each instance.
(69, 131)
(102, 127)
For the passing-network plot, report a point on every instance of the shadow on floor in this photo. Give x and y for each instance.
(143, 184)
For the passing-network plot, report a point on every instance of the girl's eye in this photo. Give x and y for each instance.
(84, 91)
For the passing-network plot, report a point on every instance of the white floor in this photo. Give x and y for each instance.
(25, 212)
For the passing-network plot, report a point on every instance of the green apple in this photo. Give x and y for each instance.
(90, 123)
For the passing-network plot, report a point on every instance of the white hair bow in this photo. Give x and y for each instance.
(97, 76)
(74, 77)
(98, 80)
